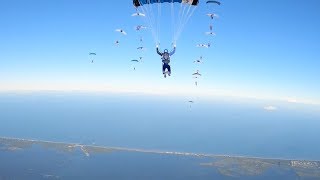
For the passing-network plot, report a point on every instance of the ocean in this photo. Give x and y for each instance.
(215, 126)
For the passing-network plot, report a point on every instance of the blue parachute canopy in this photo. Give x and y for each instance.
(217, 2)
(138, 3)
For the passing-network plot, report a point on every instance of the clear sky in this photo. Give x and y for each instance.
(265, 49)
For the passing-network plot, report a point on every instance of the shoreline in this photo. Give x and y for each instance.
(84, 148)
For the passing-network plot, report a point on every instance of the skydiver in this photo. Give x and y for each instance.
(141, 48)
(190, 103)
(117, 42)
(92, 54)
(121, 31)
(210, 33)
(139, 27)
(165, 56)
(196, 73)
(212, 15)
(138, 14)
(134, 60)
(198, 61)
(196, 80)
(204, 45)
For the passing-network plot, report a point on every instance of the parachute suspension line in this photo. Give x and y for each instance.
(187, 20)
(184, 16)
(153, 20)
(149, 21)
(173, 22)
(178, 22)
(148, 14)
(188, 12)
(158, 20)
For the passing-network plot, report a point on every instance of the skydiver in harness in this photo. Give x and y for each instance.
(165, 56)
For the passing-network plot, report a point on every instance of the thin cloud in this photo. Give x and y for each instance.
(291, 100)
(270, 108)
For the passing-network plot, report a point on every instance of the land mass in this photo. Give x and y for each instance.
(234, 166)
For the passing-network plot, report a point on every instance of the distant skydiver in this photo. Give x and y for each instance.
(140, 27)
(141, 48)
(196, 73)
(204, 45)
(117, 42)
(196, 77)
(210, 33)
(121, 31)
(138, 14)
(190, 103)
(198, 61)
(92, 56)
(212, 15)
(135, 61)
(165, 56)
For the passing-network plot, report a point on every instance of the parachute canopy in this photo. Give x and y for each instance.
(92, 56)
(216, 2)
(138, 3)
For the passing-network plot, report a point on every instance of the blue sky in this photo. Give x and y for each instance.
(265, 49)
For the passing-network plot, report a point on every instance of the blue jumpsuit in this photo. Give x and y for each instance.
(165, 56)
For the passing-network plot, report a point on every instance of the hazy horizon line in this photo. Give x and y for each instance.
(203, 94)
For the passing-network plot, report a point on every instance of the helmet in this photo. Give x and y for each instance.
(166, 50)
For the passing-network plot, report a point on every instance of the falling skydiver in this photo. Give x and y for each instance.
(165, 56)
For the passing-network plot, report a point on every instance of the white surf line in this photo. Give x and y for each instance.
(85, 151)
(155, 151)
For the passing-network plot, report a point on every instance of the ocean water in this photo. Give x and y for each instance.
(216, 126)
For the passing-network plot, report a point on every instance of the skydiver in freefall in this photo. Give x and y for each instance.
(165, 56)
